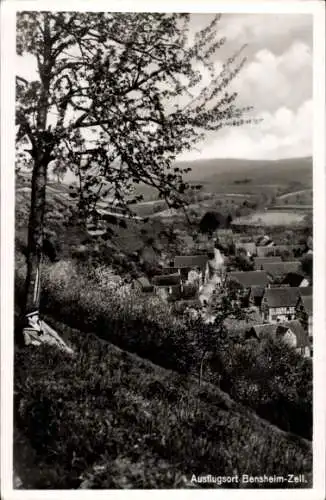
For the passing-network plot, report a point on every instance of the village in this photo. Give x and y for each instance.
(275, 294)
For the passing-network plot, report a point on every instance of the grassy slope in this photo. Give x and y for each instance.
(115, 420)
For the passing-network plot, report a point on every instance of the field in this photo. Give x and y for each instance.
(271, 218)
(302, 197)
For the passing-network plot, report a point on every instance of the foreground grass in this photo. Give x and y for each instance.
(108, 419)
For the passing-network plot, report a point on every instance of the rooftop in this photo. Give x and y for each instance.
(166, 280)
(297, 328)
(307, 304)
(281, 296)
(249, 245)
(190, 261)
(276, 269)
(249, 278)
(144, 282)
(260, 261)
(306, 291)
(280, 329)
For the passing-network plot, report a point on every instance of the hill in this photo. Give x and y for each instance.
(258, 171)
(246, 176)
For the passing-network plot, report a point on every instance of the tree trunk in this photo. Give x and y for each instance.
(35, 236)
(43, 143)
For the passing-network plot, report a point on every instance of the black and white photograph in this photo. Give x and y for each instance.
(162, 190)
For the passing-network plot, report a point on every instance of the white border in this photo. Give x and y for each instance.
(8, 9)
(319, 211)
(208, 6)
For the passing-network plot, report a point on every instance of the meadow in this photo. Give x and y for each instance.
(271, 218)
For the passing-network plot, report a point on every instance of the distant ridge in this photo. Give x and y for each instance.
(230, 169)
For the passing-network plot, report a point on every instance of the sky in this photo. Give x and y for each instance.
(276, 80)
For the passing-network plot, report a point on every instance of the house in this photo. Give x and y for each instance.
(143, 285)
(278, 250)
(290, 332)
(167, 286)
(248, 279)
(185, 264)
(256, 296)
(278, 270)
(249, 285)
(166, 279)
(260, 261)
(279, 304)
(248, 247)
(303, 344)
(304, 309)
(264, 241)
(265, 251)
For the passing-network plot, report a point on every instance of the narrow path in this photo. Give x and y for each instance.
(207, 290)
(287, 195)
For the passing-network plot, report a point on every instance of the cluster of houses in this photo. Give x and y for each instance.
(183, 278)
(276, 290)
